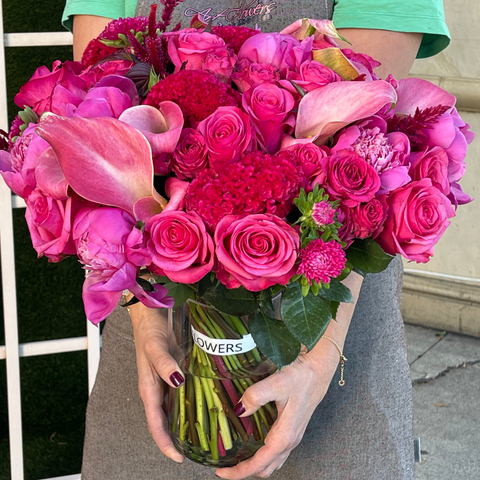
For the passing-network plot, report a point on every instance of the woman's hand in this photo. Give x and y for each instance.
(297, 390)
(155, 366)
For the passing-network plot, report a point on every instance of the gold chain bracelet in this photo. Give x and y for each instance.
(343, 359)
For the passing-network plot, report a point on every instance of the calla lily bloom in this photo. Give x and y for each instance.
(104, 160)
(338, 104)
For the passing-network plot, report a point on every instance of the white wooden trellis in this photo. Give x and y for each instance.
(12, 350)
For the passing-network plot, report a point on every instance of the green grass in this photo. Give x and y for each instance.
(54, 387)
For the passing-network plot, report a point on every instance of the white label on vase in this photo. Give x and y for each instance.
(223, 346)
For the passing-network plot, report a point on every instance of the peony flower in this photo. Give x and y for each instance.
(323, 213)
(180, 246)
(249, 74)
(348, 177)
(227, 135)
(321, 261)
(257, 251)
(417, 217)
(258, 183)
(190, 156)
(269, 107)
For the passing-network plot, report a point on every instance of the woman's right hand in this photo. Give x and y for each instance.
(156, 366)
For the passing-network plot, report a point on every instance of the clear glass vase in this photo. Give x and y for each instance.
(220, 361)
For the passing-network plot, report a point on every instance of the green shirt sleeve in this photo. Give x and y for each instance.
(102, 8)
(420, 16)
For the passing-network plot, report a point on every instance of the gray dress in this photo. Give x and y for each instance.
(362, 431)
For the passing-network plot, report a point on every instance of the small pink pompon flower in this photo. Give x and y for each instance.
(323, 213)
(321, 261)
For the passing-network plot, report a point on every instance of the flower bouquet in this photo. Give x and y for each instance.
(246, 174)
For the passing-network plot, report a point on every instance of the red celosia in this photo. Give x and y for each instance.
(321, 261)
(96, 51)
(234, 37)
(258, 183)
(198, 93)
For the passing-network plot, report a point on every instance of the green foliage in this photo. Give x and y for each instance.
(274, 339)
(367, 256)
(179, 291)
(337, 292)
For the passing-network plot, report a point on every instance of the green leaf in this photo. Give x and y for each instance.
(337, 292)
(334, 306)
(367, 256)
(234, 301)
(265, 297)
(273, 339)
(306, 317)
(179, 291)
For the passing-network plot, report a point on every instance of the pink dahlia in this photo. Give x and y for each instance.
(323, 213)
(258, 183)
(321, 261)
(198, 93)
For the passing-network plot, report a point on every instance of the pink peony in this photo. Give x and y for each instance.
(348, 177)
(190, 156)
(321, 261)
(227, 135)
(180, 246)
(269, 107)
(257, 251)
(417, 217)
(249, 74)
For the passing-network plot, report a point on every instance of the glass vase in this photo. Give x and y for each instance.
(220, 361)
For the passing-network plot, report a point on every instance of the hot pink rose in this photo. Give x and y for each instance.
(417, 217)
(310, 76)
(220, 62)
(192, 47)
(53, 91)
(256, 251)
(50, 223)
(281, 51)
(190, 156)
(106, 240)
(368, 217)
(431, 163)
(311, 156)
(180, 245)
(346, 217)
(113, 67)
(227, 135)
(348, 177)
(270, 108)
(249, 74)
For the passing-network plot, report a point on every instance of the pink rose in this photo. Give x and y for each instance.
(180, 245)
(220, 62)
(257, 251)
(311, 157)
(368, 217)
(270, 108)
(227, 135)
(190, 156)
(192, 47)
(310, 76)
(53, 91)
(249, 74)
(431, 163)
(50, 223)
(346, 232)
(417, 217)
(113, 67)
(283, 52)
(106, 240)
(348, 177)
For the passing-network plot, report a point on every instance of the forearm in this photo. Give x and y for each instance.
(85, 28)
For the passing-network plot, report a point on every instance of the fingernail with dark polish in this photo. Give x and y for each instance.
(239, 409)
(177, 379)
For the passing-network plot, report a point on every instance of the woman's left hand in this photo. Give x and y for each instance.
(297, 390)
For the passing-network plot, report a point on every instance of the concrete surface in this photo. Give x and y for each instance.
(445, 372)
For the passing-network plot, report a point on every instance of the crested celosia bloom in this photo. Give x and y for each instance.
(258, 183)
(234, 37)
(321, 261)
(323, 213)
(198, 93)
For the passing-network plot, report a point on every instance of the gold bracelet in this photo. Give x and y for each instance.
(343, 359)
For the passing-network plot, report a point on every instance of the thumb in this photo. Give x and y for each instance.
(256, 396)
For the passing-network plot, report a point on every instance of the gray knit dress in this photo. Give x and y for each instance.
(362, 431)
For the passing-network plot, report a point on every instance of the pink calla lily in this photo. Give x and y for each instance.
(416, 93)
(162, 127)
(338, 104)
(176, 190)
(103, 159)
(49, 175)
